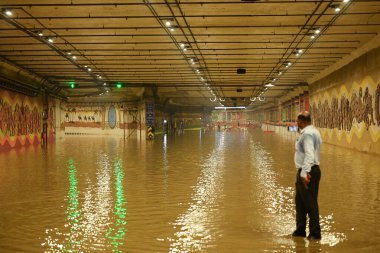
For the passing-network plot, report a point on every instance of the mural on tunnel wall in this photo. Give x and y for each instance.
(84, 116)
(348, 112)
(21, 120)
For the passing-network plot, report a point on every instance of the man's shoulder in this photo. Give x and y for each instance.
(312, 131)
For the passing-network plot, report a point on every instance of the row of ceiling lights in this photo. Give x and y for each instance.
(167, 23)
(184, 46)
(314, 33)
(9, 12)
(193, 60)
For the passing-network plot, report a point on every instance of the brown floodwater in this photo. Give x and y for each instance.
(203, 191)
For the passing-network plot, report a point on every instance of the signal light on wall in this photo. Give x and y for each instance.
(72, 85)
(119, 85)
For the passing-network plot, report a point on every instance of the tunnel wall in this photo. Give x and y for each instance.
(99, 118)
(345, 104)
(21, 119)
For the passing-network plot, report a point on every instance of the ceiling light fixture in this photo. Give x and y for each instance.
(50, 40)
(298, 52)
(346, 1)
(336, 7)
(228, 107)
(38, 32)
(268, 85)
(287, 64)
(8, 12)
(184, 46)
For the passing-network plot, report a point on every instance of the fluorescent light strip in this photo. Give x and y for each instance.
(229, 107)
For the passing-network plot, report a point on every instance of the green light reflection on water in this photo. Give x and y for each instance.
(116, 234)
(73, 213)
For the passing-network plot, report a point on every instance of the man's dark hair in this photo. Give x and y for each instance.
(305, 117)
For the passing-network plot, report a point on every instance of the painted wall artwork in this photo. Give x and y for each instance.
(20, 120)
(84, 116)
(350, 111)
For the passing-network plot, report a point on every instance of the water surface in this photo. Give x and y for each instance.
(197, 192)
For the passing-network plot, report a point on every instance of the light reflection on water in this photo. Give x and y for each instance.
(198, 226)
(278, 202)
(93, 224)
(195, 192)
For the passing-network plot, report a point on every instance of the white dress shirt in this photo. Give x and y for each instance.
(308, 146)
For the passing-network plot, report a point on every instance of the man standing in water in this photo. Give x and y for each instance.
(307, 157)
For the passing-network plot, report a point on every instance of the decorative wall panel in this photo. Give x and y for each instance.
(20, 120)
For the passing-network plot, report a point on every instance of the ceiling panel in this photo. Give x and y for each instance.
(128, 42)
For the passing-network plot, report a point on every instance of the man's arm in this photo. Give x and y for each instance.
(308, 160)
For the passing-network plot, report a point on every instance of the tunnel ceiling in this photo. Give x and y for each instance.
(192, 61)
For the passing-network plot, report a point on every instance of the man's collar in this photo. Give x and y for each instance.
(303, 129)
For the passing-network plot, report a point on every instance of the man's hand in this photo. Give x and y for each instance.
(306, 180)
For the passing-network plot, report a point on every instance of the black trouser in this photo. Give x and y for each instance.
(307, 202)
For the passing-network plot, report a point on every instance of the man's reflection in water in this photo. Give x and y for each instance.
(305, 246)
